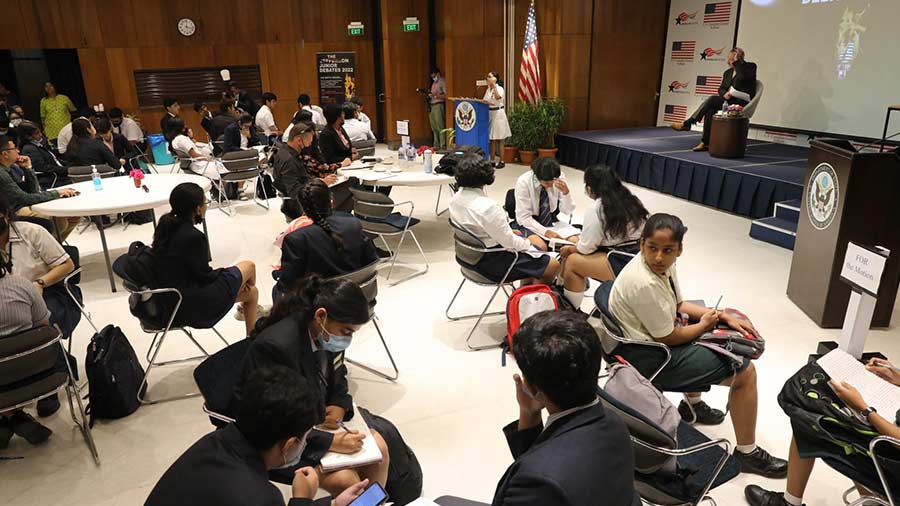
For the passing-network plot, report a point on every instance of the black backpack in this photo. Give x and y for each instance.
(404, 484)
(115, 375)
(448, 162)
(138, 266)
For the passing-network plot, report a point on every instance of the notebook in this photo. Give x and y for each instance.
(880, 394)
(369, 454)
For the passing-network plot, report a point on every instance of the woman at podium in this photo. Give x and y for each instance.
(499, 124)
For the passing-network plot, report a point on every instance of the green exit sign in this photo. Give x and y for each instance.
(411, 25)
(355, 29)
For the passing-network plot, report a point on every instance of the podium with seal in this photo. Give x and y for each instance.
(472, 123)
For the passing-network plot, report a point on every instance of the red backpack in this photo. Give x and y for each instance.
(525, 302)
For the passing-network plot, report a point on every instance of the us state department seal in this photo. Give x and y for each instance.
(465, 116)
(822, 196)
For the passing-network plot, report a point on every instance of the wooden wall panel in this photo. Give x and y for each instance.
(406, 66)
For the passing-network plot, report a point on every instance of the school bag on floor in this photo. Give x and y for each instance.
(114, 374)
(404, 483)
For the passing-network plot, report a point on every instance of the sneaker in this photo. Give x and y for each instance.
(500, 164)
(26, 426)
(260, 312)
(705, 415)
(48, 405)
(6, 432)
(760, 462)
(758, 496)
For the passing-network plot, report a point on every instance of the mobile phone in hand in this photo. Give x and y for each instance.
(372, 496)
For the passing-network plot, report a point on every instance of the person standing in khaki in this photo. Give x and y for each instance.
(437, 114)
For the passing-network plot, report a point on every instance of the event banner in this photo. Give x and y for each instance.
(337, 79)
(701, 34)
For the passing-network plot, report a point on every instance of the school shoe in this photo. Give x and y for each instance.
(6, 432)
(705, 415)
(26, 426)
(679, 127)
(48, 405)
(762, 463)
(383, 253)
(700, 147)
(500, 165)
(758, 496)
(261, 312)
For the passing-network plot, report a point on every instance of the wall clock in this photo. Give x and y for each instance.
(186, 27)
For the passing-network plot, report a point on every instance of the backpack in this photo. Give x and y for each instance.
(265, 182)
(115, 375)
(525, 302)
(139, 265)
(447, 164)
(404, 484)
(627, 385)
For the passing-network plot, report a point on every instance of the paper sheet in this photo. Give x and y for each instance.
(369, 454)
(564, 230)
(340, 179)
(880, 394)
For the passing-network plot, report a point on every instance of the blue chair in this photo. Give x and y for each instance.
(216, 378)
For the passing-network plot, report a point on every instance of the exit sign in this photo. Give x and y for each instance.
(411, 25)
(355, 29)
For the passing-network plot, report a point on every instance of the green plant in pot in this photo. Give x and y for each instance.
(551, 113)
(524, 122)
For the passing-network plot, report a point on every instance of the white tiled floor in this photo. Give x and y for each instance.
(449, 403)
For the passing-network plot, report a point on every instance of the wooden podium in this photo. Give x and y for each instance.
(848, 196)
(472, 121)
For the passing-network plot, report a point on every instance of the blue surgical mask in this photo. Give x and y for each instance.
(335, 343)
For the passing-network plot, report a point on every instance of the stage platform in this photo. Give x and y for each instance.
(661, 159)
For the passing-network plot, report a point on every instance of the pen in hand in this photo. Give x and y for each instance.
(341, 425)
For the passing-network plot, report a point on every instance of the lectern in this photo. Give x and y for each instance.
(848, 196)
(472, 121)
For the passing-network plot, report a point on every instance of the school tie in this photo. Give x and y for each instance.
(545, 216)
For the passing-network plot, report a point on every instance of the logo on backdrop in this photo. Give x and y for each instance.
(717, 13)
(708, 85)
(465, 116)
(822, 196)
(711, 54)
(683, 50)
(674, 113)
(679, 87)
(686, 19)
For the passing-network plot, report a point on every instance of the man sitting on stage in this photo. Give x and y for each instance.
(738, 88)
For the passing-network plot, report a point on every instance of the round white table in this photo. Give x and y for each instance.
(396, 174)
(119, 195)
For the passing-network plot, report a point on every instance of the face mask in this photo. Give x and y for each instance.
(292, 461)
(434, 78)
(15, 122)
(334, 344)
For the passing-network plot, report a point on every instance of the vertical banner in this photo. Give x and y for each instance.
(701, 33)
(337, 76)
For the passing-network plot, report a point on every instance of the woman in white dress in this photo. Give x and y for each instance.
(499, 124)
(183, 145)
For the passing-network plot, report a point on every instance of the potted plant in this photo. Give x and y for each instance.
(551, 112)
(526, 134)
(450, 137)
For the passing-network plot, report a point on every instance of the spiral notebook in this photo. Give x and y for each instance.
(369, 454)
(878, 393)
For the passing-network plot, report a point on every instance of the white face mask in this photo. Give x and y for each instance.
(292, 459)
(15, 122)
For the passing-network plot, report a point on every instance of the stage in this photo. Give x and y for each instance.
(661, 159)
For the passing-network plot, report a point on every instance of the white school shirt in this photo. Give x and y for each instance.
(489, 96)
(34, 251)
(63, 139)
(358, 131)
(365, 119)
(644, 302)
(472, 210)
(265, 121)
(528, 201)
(593, 234)
(129, 129)
(318, 117)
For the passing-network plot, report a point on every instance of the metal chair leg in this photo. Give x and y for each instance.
(466, 317)
(418, 272)
(84, 425)
(152, 363)
(264, 202)
(480, 317)
(390, 357)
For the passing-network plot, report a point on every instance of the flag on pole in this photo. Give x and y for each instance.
(530, 71)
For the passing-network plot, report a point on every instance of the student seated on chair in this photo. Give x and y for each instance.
(228, 467)
(472, 210)
(805, 449)
(333, 245)
(616, 217)
(91, 146)
(582, 455)
(22, 309)
(301, 115)
(50, 171)
(334, 140)
(183, 145)
(645, 299)
(358, 130)
(308, 330)
(239, 135)
(541, 194)
(207, 294)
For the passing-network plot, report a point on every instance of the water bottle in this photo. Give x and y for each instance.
(410, 152)
(724, 107)
(427, 157)
(401, 156)
(95, 177)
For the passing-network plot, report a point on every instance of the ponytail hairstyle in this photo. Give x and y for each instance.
(185, 199)
(622, 211)
(663, 221)
(315, 199)
(342, 299)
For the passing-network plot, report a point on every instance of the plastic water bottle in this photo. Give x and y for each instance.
(724, 107)
(427, 157)
(410, 153)
(95, 177)
(401, 156)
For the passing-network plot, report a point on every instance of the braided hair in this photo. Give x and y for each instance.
(315, 199)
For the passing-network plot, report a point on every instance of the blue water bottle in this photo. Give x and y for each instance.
(95, 177)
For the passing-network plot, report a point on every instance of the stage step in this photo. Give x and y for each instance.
(775, 230)
(789, 210)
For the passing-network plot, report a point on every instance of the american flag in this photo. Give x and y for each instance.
(674, 113)
(683, 50)
(708, 85)
(719, 12)
(530, 71)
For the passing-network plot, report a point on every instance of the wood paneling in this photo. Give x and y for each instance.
(405, 67)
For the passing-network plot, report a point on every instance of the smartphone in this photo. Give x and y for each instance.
(373, 496)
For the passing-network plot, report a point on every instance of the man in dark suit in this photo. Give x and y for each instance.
(738, 88)
(226, 116)
(228, 467)
(172, 108)
(239, 134)
(583, 454)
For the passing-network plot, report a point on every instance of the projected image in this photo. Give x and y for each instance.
(848, 45)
